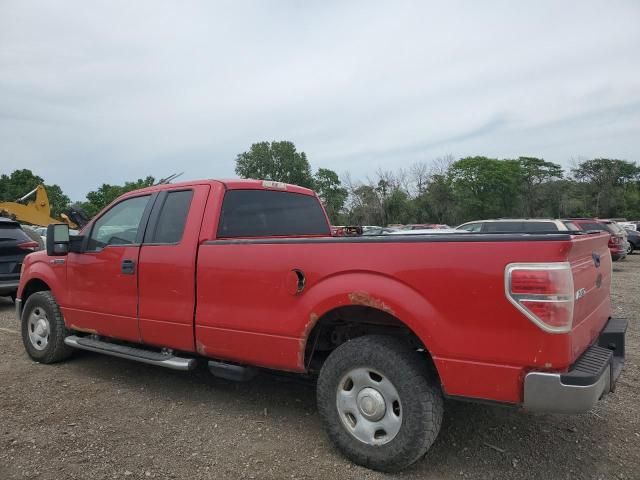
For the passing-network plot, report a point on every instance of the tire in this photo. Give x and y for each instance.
(43, 329)
(630, 249)
(419, 405)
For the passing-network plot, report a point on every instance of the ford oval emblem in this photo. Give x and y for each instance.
(596, 259)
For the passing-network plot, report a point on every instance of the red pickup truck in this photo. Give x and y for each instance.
(244, 274)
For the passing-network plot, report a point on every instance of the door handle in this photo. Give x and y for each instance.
(128, 267)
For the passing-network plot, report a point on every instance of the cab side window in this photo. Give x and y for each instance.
(119, 225)
(172, 217)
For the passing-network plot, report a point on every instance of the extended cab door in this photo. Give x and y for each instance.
(103, 280)
(167, 268)
(250, 279)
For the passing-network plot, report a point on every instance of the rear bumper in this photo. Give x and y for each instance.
(593, 375)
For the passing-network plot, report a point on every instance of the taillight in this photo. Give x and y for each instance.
(543, 292)
(31, 246)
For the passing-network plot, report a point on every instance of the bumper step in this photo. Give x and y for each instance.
(131, 353)
(593, 375)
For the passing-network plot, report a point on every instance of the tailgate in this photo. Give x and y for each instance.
(591, 267)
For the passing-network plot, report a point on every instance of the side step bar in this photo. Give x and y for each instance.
(131, 353)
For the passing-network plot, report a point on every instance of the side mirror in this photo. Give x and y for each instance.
(57, 239)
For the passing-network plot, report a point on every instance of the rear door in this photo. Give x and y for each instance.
(249, 279)
(167, 268)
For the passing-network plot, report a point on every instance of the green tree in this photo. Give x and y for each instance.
(278, 161)
(331, 191)
(607, 184)
(534, 173)
(366, 208)
(105, 194)
(485, 187)
(437, 203)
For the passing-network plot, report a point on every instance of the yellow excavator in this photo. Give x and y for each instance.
(38, 211)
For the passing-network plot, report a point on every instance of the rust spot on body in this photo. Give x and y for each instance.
(83, 330)
(366, 300)
(313, 318)
(201, 348)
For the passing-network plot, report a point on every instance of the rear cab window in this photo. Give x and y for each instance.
(266, 213)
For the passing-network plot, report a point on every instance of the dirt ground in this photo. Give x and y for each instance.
(100, 417)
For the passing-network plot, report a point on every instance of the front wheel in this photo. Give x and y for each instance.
(630, 249)
(380, 403)
(43, 329)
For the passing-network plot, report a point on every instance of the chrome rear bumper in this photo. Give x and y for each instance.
(593, 375)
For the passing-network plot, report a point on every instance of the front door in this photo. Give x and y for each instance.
(104, 278)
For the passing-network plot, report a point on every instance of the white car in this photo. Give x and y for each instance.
(518, 225)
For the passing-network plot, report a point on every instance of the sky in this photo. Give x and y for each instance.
(105, 92)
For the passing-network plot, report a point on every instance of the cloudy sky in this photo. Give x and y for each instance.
(103, 92)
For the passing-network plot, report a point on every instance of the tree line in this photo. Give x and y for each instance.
(453, 191)
(442, 190)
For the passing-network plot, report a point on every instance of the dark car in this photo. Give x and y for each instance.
(633, 237)
(15, 244)
(617, 241)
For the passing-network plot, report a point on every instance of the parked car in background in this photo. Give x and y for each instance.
(33, 233)
(424, 231)
(633, 239)
(629, 225)
(518, 225)
(15, 244)
(370, 230)
(425, 226)
(617, 240)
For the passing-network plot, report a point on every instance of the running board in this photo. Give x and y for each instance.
(131, 353)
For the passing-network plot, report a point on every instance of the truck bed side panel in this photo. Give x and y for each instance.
(451, 294)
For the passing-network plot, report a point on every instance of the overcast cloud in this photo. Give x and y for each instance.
(103, 92)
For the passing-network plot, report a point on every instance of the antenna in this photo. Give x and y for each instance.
(169, 179)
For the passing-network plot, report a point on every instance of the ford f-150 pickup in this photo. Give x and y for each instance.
(244, 274)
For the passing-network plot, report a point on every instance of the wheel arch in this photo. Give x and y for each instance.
(383, 305)
(32, 286)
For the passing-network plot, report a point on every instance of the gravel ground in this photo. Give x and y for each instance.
(100, 417)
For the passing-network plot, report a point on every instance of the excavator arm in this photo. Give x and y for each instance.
(34, 212)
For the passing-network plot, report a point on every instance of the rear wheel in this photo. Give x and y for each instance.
(630, 249)
(380, 403)
(43, 329)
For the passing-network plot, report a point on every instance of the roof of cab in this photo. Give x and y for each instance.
(231, 184)
(250, 184)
